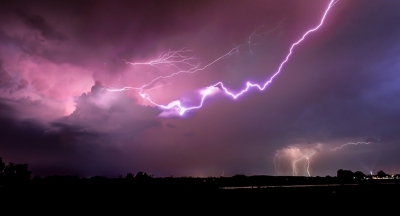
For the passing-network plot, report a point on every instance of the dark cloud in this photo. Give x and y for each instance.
(39, 23)
(88, 132)
(5, 38)
(170, 125)
(5, 78)
(27, 140)
(8, 83)
(7, 110)
(340, 85)
(189, 134)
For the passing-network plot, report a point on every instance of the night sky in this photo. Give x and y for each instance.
(60, 59)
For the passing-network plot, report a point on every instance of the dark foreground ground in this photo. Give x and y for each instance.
(287, 199)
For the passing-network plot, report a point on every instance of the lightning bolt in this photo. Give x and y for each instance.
(257, 33)
(276, 166)
(154, 87)
(174, 57)
(307, 158)
(308, 166)
(177, 59)
(170, 58)
(351, 143)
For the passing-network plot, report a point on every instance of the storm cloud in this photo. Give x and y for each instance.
(58, 61)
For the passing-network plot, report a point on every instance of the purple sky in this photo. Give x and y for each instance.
(340, 85)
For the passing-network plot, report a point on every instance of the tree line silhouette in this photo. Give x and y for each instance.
(19, 176)
(14, 173)
(358, 175)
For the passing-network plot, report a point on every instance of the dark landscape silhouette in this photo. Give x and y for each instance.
(16, 178)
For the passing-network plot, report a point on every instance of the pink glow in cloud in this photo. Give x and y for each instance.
(295, 159)
(341, 82)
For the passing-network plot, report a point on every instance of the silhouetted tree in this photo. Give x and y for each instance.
(22, 172)
(2, 165)
(142, 175)
(9, 170)
(98, 178)
(129, 176)
(239, 176)
(359, 175)
(345, 174)
(16, 173)
(381, 174)
(36, 178)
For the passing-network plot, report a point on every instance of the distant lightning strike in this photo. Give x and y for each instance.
(295, 155)
(308, 166)
(351, 143)
(276, 166)
(307, 158)
(171, 58)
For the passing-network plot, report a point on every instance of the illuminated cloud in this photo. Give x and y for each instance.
(295, 159)
(341, 85)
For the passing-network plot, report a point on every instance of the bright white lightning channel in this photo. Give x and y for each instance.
(171, 58)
